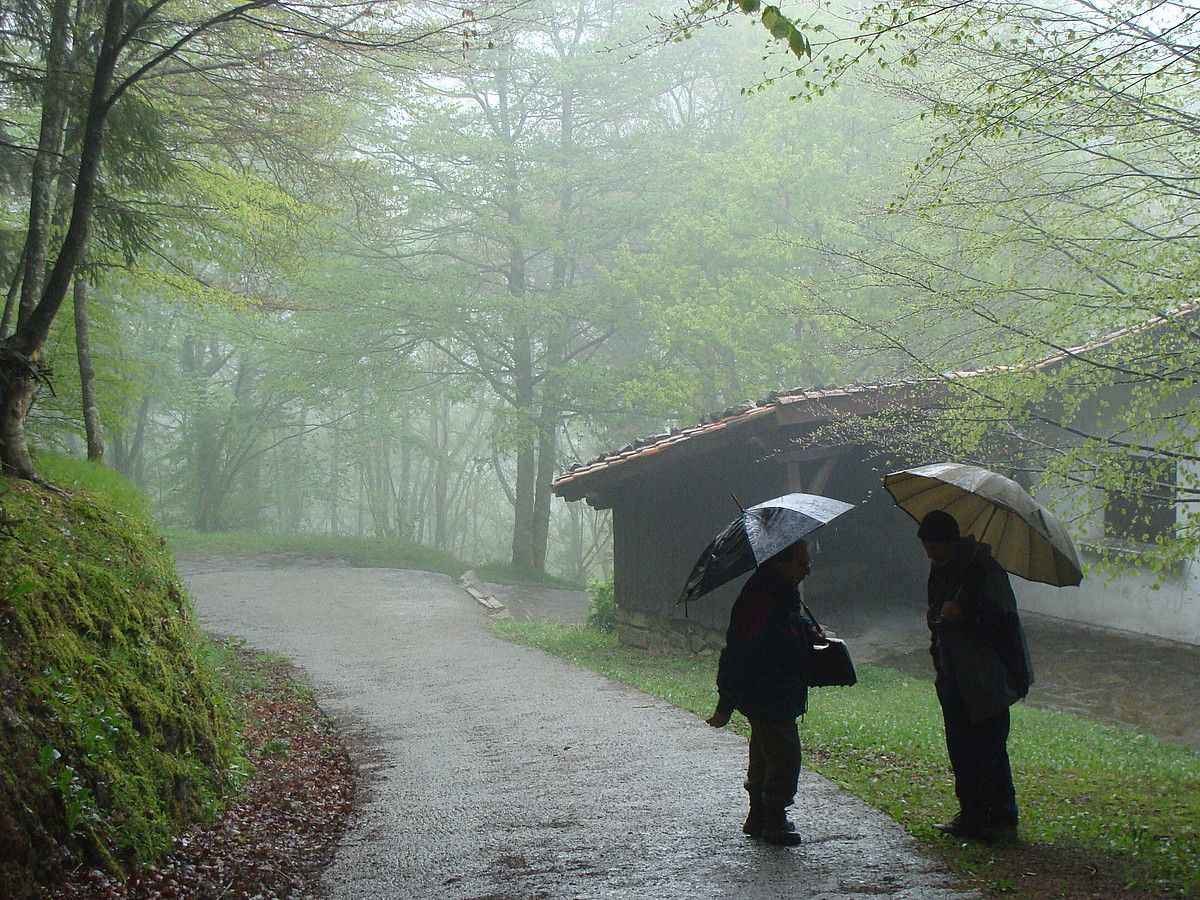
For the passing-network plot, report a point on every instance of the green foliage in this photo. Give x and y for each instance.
(1042, 213)
(117, 730)
(781, 27)
(602, 607)
(1087, 790)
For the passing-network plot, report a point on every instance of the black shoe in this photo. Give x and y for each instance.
(963, 826)
(782, 838)
(779, 829)
(755, 828)
(753, 825)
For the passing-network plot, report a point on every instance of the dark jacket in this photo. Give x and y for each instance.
(984, 654)
(762, 671)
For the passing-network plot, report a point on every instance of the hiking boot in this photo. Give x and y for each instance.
(781, 837)
(779, 829)
(757, 817)
(971, 828)
(753, 825)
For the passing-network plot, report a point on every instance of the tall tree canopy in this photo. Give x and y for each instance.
(1056, 204)
(84, 76)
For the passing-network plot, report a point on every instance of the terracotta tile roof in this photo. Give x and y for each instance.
(644, 447)
(731, 418)
(750, 410)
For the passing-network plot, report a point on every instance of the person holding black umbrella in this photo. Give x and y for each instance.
(764, 669)
(762, 674)
(982, 665)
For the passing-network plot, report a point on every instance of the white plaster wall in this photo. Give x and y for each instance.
(1129, 602)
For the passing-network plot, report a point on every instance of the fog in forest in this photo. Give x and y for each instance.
(387, 270)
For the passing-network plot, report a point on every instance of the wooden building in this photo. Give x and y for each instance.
(672, 493)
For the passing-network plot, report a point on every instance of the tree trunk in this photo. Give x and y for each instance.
(546, 464)
(525, 489)
(127, 454)
(19, 378)
(522, 353)
(10, 299)
(87, 374)
(45, 160)
(403, 494)
(548, 417)
(21, 355)
(578, 567)
(137, 452)
(439, 436)
(299, 509)
(384, 490)
(335, 525)
(206, 446)
(421, 502)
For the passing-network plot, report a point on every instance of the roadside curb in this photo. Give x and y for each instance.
(491, 605)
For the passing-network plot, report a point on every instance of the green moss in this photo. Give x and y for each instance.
(115, 731)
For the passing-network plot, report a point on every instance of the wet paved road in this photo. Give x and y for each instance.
(496, 771)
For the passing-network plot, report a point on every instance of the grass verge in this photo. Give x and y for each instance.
(387, 553)
(506, 573)
(1105, 811)
(274, 834)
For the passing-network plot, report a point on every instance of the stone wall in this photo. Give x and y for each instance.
(659, 634)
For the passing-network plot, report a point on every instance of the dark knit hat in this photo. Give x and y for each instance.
(938, 526)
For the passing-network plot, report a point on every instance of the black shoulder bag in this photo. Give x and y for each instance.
(829, 663)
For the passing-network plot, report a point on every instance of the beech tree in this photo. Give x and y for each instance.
(1056, 204)
(117, 48)
(518, 171)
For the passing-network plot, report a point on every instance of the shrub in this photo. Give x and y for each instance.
(602, 610)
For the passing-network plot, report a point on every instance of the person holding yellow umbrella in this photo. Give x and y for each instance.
(976, 526)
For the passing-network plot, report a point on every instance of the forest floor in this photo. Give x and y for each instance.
(274, 840)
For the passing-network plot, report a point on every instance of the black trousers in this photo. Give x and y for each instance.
(774, 769)
(978, 751)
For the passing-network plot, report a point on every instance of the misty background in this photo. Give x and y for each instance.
(386, 269)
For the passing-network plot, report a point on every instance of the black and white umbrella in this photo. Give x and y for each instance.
(756, 535)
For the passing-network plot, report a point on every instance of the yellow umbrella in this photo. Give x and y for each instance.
(1025, 538)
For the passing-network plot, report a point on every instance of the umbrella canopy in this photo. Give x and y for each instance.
(1026, 539)
(756, 535)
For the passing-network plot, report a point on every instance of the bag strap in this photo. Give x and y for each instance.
(809, 612)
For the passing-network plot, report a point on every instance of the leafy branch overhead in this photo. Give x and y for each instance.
(781, 27)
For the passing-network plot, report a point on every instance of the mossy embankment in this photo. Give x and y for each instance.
(115, 730)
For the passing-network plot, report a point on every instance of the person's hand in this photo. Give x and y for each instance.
(816, 634)
(952, 611)
(718, 719)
